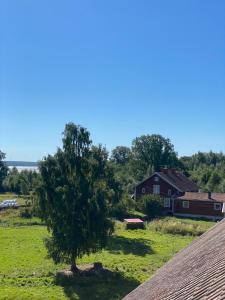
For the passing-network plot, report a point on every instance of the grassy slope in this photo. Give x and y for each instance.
(5, 196)
(132, 256)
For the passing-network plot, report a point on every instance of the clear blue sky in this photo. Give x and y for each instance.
(121, 68)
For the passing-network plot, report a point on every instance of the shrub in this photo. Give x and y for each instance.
(122, 209)
(26, 213)
(151, 205)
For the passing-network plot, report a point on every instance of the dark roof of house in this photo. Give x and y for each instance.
(177, 180)
(219, 197)
(195, 273)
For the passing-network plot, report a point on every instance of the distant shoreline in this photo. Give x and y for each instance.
(21, 163)
(23, 168)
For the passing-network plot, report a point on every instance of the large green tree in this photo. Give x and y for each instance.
(3, 169)
(75, 197)
(150, 153)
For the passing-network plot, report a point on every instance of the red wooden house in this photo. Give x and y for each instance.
(168, 184)
(201, 205)
(180, 195)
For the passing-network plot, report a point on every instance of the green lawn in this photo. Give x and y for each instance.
(132, 257)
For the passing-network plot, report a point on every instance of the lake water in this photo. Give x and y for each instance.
(22, 168)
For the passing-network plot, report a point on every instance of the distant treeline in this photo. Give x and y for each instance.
(22, 183)
(131, 165)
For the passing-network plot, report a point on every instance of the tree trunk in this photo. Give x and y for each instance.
(74, 267)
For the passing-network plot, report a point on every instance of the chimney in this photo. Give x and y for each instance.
(168, 170)
(209, 195)
(164, 170)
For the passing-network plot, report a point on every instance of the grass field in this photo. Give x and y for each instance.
(132, 257)
(20, 199)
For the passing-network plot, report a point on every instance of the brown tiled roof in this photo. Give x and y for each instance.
(179, 180)
(195, 273)
(176, 179)
(219, 197)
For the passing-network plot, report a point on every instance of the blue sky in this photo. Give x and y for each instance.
(121, 68)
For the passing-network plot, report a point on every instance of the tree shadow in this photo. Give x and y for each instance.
(137, 246)
(106, 286)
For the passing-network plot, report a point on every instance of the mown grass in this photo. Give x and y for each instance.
(132, 256)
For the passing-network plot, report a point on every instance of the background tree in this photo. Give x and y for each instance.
(150, 153)
(121, 162)
(121, 155)
(207, 169)
(3, 169)
(75, 197)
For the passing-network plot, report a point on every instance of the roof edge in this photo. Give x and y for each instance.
(168, 181)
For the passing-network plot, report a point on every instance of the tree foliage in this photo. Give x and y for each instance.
(207, 169)
(76, 195)
(121, 155)
(3, 169)
(22, 183)
(151, 152)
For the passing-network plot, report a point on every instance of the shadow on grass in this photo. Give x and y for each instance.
(107, 286)
(117, 244)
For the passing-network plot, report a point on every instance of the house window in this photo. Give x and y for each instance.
(166, 202)
(169, 192)
(143, 190)
(156, 189)
(156, 178)
(185, 204)
(217, 206)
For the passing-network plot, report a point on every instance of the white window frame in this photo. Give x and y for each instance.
(217, 206)
(185, 204)
(143, 190)
(169, 192)
(223, 208)
(156, 189)
(166, 202)
(156, 179)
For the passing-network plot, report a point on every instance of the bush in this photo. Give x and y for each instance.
(150, 205)
(122, 209)
(26, 213)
